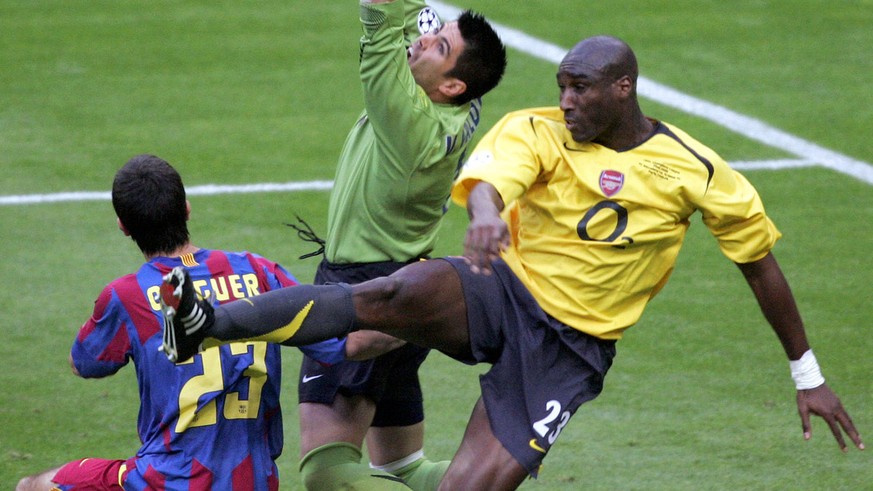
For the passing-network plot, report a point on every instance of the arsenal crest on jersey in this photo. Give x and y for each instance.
(611, 182)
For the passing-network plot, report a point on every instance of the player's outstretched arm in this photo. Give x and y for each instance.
(364, 345)
(774, 296)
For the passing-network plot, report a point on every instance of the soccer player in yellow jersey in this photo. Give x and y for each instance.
(577, 214)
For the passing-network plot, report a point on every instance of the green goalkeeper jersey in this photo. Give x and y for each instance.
(398, 162)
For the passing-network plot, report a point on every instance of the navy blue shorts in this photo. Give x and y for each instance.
(390, 380)
(542, 370)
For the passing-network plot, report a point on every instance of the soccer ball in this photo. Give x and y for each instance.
(428, 20)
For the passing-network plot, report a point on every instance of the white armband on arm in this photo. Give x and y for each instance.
(806, 372)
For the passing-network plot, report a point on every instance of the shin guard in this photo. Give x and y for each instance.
(293, 316)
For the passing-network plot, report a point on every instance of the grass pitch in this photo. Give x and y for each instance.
(236, 93)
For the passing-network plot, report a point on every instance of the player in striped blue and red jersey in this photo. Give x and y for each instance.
(214, 421)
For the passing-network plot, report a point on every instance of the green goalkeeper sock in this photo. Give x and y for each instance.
(338, 466)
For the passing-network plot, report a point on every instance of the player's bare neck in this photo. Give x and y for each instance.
(631, 135)
(188, 248)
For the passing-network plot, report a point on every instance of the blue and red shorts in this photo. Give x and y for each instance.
(93, 475)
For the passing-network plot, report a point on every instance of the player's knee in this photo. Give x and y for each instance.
(38, 482)
(26, 484)
(381, 294)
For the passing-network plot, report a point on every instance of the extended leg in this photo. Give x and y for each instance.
(291, 316)
(422, 303)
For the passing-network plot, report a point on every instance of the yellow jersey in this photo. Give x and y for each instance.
(595, 232)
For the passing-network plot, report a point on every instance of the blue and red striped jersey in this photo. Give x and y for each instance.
(213, 421)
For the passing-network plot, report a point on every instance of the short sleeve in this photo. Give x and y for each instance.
(507, 157)
(733, 211)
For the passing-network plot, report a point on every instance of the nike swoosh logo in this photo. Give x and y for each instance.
(533, 444)
(307, 378)
(287, 331)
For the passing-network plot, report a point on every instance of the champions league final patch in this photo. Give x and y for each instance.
(428, 20)
(611, 182)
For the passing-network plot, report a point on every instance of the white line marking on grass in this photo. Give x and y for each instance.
(284, 187)
(771, 164)
(26, 199)
(744, 125)
(204, 190)
(210, 189)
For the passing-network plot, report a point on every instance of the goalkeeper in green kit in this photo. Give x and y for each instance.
(422, 85)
